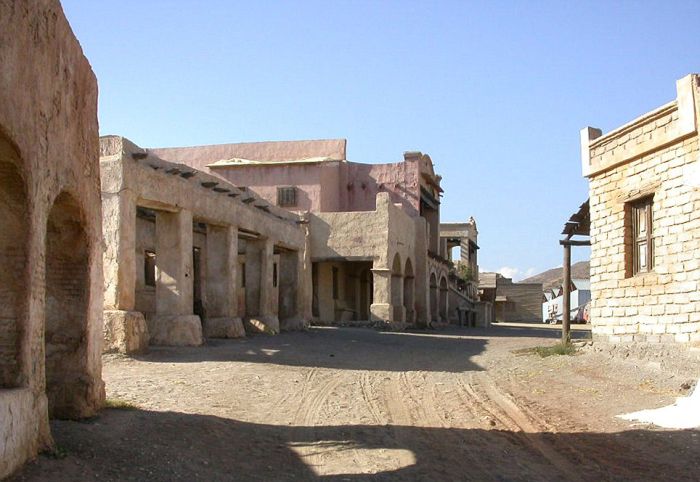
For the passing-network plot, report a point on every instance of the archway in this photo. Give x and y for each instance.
(434, 309)
(397, 288)
(66, 305)
(13, 256)
(443, 300)
(408, 292)
(366, 294)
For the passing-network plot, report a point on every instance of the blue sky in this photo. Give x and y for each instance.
(496, 92)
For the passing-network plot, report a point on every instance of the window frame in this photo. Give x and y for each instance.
(284, 198)
(641, 235)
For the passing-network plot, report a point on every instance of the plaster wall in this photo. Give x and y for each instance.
(48, 134)
(264, 181)
(179, 195)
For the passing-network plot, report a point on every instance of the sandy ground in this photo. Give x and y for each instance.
(358, 404)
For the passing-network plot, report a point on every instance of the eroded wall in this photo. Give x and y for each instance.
(48, 133)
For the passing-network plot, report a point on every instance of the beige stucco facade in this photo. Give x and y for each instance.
(367, 265)
(50, 236)
(209, 247)
(653, 159)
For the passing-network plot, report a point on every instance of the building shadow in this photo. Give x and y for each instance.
(160, 446)
(338, 348)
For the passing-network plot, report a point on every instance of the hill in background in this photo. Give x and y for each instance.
(554, 277)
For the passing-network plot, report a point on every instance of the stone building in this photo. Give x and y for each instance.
(190, 255)
(375, 228)
(50, 230)
(645, 223)
(512, 302)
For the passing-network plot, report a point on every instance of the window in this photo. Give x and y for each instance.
(149, 268)
(641, 236)
(287, 196)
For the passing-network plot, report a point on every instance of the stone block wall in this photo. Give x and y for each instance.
(655, 155)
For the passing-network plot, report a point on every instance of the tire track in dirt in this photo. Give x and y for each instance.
(429, 407)
(308, 378)
(307, 416)
(365, 387)
(526, 426)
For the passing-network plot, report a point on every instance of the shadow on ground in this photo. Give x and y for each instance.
(159, 446)
(447, 350)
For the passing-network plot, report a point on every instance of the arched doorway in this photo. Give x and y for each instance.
(443, 300)
(434, 309)
(366, 294)
(408, 292)
(13, 256)
(397, 288)
(66, 305)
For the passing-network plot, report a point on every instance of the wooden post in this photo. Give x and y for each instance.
(566, 316)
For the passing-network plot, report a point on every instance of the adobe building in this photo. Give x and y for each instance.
(50, 235)
(464, 290)
(645, 223)
(189, 255)
(375, 250)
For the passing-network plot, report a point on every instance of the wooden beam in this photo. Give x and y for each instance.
(574, 242)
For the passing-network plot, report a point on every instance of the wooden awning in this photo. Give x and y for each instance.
(579, 224)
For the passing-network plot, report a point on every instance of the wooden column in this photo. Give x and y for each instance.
(566, 316)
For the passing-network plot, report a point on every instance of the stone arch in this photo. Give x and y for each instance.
(66, 308)
(434, 312)
(14, 221)
(409, 291)
(443, 299)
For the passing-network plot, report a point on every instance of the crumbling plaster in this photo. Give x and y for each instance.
(48, 115)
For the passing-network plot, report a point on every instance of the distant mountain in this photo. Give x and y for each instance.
(554, 277)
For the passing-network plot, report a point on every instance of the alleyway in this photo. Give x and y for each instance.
(357, 404)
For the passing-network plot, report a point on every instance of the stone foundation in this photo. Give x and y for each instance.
(294, 323)
(224, 328)
(125, 332)
(176, 330)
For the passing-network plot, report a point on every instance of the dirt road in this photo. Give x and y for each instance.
(357, 404)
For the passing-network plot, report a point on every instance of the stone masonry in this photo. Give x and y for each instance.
(654, 157)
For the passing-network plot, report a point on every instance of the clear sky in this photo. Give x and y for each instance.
(496, 92)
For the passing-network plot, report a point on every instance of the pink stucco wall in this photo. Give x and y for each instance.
(362, 182)
(332, 186)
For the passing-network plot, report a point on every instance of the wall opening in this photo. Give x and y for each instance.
(67, 296)
(397, 288)
(13, 255)
(408, 292)
(288, 282)
(443, 300)
(434, 310)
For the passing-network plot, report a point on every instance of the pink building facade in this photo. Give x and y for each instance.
(353, 281)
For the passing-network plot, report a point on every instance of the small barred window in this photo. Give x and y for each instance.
(287, 196)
